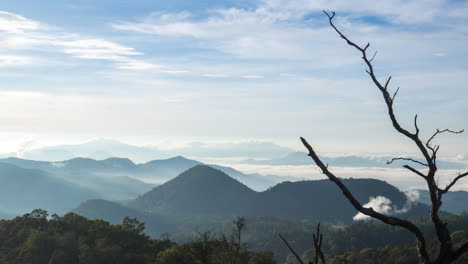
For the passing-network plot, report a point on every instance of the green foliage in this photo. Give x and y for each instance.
(73, 239)
(405, 254)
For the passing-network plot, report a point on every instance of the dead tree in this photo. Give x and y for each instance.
(318, 239)
(233, 243)
(447, 253)
(319, 256)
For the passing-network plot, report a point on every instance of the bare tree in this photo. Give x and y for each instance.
(318, 239)
(447, 253)
(233, 243)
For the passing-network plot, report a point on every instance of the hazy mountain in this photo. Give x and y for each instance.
(301, 158)
(108, 177)
(452, 202)
(250, 149)
(96, 149)
(24, 189)
(119, 171)
(203, 190)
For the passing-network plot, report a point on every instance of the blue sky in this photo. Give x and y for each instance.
(175, 72)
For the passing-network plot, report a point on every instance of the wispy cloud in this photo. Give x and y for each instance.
(14, 23)
(22, 35)
(295, 30)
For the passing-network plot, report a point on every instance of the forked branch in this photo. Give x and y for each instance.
(407, 159)
(452, 183)
(318, 239)
(369, 211)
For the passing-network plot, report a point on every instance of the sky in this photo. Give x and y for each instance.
(166, 73)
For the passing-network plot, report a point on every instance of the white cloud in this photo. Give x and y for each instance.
(280, 29)
(385, 206)
(14, 23)
(23, 34)
(380, 204)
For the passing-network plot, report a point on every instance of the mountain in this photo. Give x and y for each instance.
(25, 189)
(453, 202)
(109, 178)
(200, 190)
(96, 149)
(301, 158)
(133, 179)
(204, 191)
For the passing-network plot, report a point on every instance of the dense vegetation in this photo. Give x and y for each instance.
(35, 238)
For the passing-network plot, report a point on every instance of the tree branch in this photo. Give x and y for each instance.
(415, 171)
(369, 211)
(460, 176)
(428, 143)
(407, 159)
(385, 93)
(318, 239)
(292, 250)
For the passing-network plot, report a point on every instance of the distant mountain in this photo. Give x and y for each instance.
(118, 171)
(96, 149)
(301, 158)
(452, 202)
(250, 149)
(22, 190)
(202, 191)
(108, 177)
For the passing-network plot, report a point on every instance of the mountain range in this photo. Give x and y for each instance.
(301, 158)
(203, 193)
(22, 190)
(140, 176)
(115, 179)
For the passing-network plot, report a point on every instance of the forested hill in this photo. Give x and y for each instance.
(73, 239)
(206, 192)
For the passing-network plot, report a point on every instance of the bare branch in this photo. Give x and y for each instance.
(416, 126)
(407, 159)
(292, 250)
(415, 171)
(373, 57)
(318, 239)
(442, 232)
(428, 143)
(460, 176)
(369, 211)
(388, 81)
(395, 94)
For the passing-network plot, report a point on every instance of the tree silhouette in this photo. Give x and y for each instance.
(446, 251)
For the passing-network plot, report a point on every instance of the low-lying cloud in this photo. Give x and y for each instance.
(385, 206)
